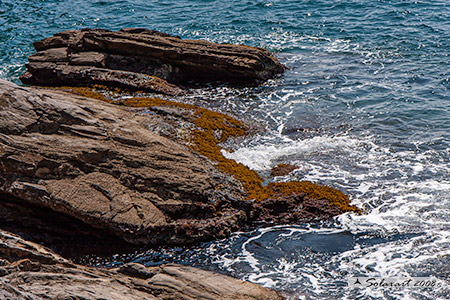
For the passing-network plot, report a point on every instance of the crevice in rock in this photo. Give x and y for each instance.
(63, 234)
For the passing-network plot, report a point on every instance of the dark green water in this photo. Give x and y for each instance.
(369, 87)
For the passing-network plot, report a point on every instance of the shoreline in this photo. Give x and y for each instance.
(144, 179)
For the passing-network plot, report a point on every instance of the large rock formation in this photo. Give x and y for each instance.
(29, 271)
(104, 165)
(143, 60)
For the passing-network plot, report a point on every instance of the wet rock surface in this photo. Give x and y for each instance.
(32, 272)
(293, 209)
(141, 59)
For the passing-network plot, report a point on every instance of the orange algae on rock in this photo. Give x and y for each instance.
(207, 144)
(213, 128)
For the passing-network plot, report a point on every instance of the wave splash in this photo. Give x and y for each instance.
(403, 232)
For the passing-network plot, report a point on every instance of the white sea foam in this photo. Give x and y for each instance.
(10, 71)
(404, 193)
(262, 157)
(396, 190)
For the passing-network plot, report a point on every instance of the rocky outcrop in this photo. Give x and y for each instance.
(102, 164)
(32, 272)
(119, 170)
(66, 235)
(57, 74)
(143, 59)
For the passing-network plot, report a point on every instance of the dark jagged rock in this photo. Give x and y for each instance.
(130, 57)
(55, 74)
(29, 271)
(293, 209)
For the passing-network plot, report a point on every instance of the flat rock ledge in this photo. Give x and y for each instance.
(29, 271)
(141, 59)
(115, 169)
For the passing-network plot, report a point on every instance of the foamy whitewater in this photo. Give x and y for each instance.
(364, 107)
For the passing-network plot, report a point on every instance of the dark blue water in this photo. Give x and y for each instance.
(364, 107)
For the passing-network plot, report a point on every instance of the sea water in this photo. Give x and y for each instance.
(364, 107)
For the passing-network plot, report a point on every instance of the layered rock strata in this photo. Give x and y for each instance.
(141, 59)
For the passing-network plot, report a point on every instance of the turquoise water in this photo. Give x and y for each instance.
(364, 107)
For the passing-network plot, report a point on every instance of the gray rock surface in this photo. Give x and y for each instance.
(29, 271)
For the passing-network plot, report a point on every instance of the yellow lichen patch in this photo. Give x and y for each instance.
(213, 128)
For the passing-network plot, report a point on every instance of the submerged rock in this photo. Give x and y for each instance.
(282, 170)
(143, 59)
(30, 271)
